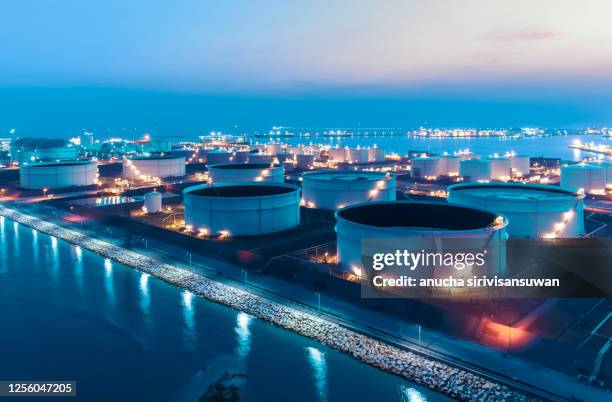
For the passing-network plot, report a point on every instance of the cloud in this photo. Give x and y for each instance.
(518, 35)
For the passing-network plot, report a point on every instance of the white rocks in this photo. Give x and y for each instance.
(438, 376)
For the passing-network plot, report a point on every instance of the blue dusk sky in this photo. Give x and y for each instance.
(190, 66)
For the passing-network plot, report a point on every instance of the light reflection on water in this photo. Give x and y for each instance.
(55, 259)
(145, 295)
(108, 280)
(409, 394)
(189, 318)
(243, 334)
(78, 267)
(317, 361)
(16, 239)
(35, 246)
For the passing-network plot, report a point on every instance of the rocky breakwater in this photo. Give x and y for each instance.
(455, 382)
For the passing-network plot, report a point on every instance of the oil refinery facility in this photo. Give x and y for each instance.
(302, 213)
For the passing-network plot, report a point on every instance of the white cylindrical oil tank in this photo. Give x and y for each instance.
(260, 157)
(521, 164)
(244, 172)
(298, 149)
(357, 155)
(304, 161)
(274, 148)
(607, 166)
(501, 168)
(376, 155)
(475, 170)
(240, 156)
(337, 155)
(449, 165)
(420, 226)
(216, 156)
(532, 210)
(53, 175)
(333, 189)
(153, 202)
(589, 178)
(283, 156)
(242, 209)
(289, 165)
(153, 166)
(425, 167)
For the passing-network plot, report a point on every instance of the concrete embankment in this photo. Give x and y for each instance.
(452, 381)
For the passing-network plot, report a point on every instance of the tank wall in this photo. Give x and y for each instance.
(153, 202)
(304, 161)
(529, 218)
(475, 170)
(582, 178)
(350, 236)
(155, 167)
(215, 157)
(332, 195)
(243, 217)
(501, 169)
(270, 175)
(376, 155)
(425, 167)
(53, 177)
(521, 164)
(337, 154)
(449, 166)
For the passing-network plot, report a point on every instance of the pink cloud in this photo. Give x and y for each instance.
(518, 35)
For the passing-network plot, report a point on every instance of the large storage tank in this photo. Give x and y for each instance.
(283, 156)
(304, 161)
(240, 156)
(337, 155)
(243, 172)
(376, 155)
(153, 166)
(449, 165)
(589, 178)
(475, 170)
(242, 209)
(520, 164)
(607, 166)
(357, 155)
(153, 202)
(423, 226)
(216, 156)
(53, 175)
(425, 167)
(260, 157)
(333, 189)
(274, 148)
(501, 168)
(532, 210)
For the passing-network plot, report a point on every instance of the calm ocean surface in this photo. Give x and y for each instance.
(125, 336)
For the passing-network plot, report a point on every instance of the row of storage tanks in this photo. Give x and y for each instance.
(470, 166)
(252, 199)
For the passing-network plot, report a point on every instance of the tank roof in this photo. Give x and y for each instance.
(436, 216)
(155, 157)
(240, 190)
(582, 166)
(58, 163)
(240, 166)
(514, 190)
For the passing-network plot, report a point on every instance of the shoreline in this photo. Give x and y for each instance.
(438, 376)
